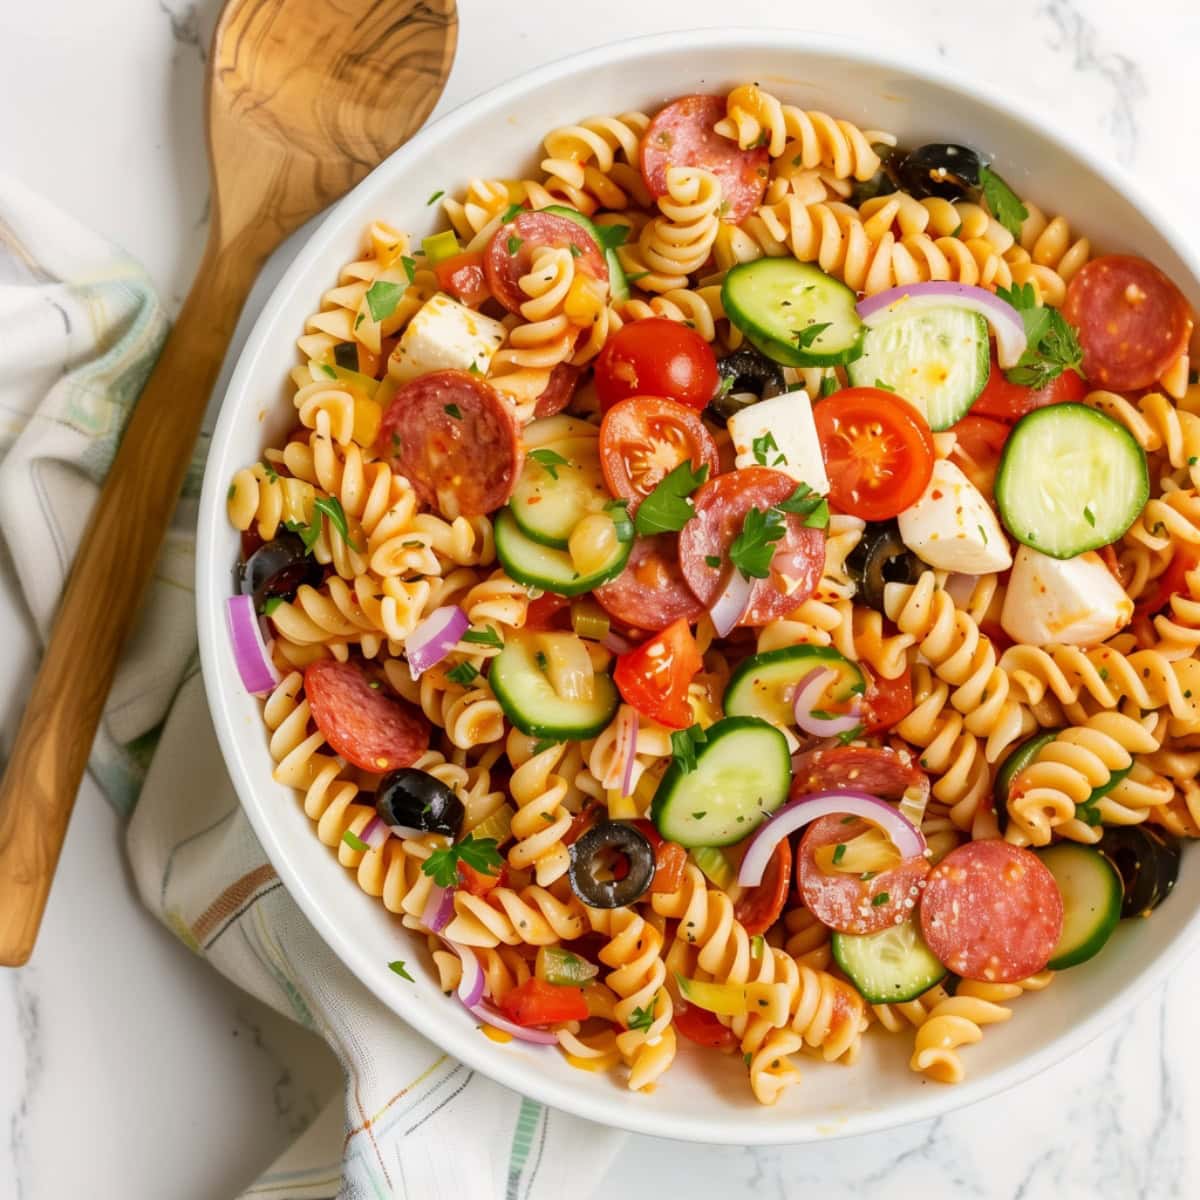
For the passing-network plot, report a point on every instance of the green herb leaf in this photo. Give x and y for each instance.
(401, 970)
(846, 738)
(482, 854)
(464, 674)
(452, 410)
(331, 507)
(809, 334)
(1052, 345)
(636, 276)
(410, 267)
(752, 550)
(758, 945)
(328, 370)
(1004, 203)
(763, 447)
(551, 460)
(486, 636)
(622, 521)
(544, 745)
(884, 387)
(829, 385)
(612, 236)
(683, 747)
(808, 504)
(642, 1018)
(1088, 515)
(839, 852)
(270, 472)
(355, 842)
(668, 508)
(882, 898)
(575, 250)
(509, 213)
(474, 369)
(382, 298)
(713, 560)
(724, 387)
(513, 243)
(308, 533)
(270, 604)
(434, 198)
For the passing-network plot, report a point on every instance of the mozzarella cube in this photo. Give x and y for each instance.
(952, 527)
(1057, 600)
(445, 335)
(780, 433)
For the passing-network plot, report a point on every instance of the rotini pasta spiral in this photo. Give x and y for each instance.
(678, 242)
(1158, 426)
(594, 164)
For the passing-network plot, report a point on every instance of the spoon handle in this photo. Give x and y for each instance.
(115, 562)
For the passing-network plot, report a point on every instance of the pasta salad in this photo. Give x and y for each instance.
(739, 585)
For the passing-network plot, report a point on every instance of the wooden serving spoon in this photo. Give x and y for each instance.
(304, 98)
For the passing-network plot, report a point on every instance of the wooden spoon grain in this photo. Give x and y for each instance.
(304, 98)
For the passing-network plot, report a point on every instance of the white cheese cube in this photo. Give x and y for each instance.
(786, 438)
(1071, 600)
(445, 335)
(952, 527)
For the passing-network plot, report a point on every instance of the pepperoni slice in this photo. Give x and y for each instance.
(758, 908)
(849, 903)
(651, 592)
(1133, 321)
(876, 771)
(456, 440)
(681, 135)
(559, 389)
(992, 912)
(721, 507)
(509, 254)
(366, 726)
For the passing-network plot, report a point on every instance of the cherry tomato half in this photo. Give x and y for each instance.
(887, 700)
(702, 1027)
(462, 276)
(548, 611)
(878, 452)
(669, 860)
(479, 883)
(758, 908)
(644, 438)
(657, 357)
(536, 1002)
(977, 446)
(1010, 401)
(654, 676)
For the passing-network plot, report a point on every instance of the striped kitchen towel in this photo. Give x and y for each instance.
(80, 327)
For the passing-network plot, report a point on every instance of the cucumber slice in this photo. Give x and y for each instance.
(935, 358)
(535, 565)
(890, 966)
(552, 497)
(764, 684)
(1092, 892)
(776, 302)
(535, 708)
(1070, 479)
(560, 428)
(618, 285)
(741, 776)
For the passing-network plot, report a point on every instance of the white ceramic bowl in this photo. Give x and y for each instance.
(704, 1096)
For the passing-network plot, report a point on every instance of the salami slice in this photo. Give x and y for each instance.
(366, 726)
(885, 773)
(681, 135)
(721, 507)
(559, 389)
(509, 254)
(992, 912)
(1133, 321)
(651, 592)
(848, 902)
(758, 908)
(456, 440)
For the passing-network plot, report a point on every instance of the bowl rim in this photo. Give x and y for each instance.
(459, 1039)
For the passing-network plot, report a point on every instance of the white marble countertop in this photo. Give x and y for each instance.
(166, 1082)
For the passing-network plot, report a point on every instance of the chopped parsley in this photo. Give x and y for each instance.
(612, 236)
(846, 738)
(483, 855)
(410, 267)
(752, 550)
(355, 842)
(1052, 345)
(550, 460)
(829, 385)
(544, 745)
(509, 213)
(382, 298)
(401, 970)
(764, 447)
(669, 508)
(642, 1018)
(884, 387)
(486, 636)
(435, 198)
(464, 674)
(809, 334)
(270, 604)
(1088, 515)
(622, 521)
(452, 410)
(514, 244)
(808, 504)
(683, 747)
(323, 506)
(839, 852)
(328, 370)
(713, 560)
(882, 898)
(1004, 203)
(575, 250)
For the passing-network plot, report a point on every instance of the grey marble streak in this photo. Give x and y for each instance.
(26, 1016)
(185, 28)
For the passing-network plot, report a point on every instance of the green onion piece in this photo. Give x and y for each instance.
(556, 965)
(589, 620)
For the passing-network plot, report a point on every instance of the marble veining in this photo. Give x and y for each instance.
(128, 1070)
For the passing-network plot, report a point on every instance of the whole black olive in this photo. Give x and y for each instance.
(1147, 861)
(416, 800)
(881, 557)
(885, 181)
(599, 856)
(278, 568)
(941, 169)
(751, 377)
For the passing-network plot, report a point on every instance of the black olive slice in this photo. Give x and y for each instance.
(278, 568)
(885, 181)
(881, 557)
(604, 852)
(751, 377)
(416, 800)
(941, 169)
(1147, 861)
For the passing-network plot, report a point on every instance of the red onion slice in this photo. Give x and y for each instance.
(727, 609)
(616, 643)
(490, 1015)
(257, 671)
(908, 839)
(470, 984)
(439, 907)
(804, 703)
(1005, 321)
(375, 832)
(434, 638)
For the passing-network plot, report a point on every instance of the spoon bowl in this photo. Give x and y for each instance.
(305, 97)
